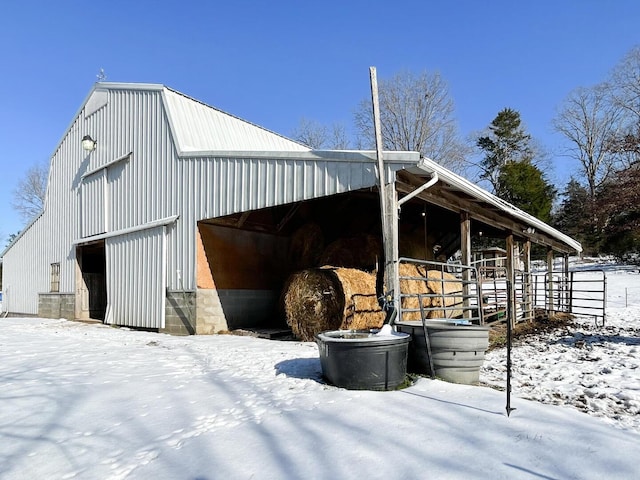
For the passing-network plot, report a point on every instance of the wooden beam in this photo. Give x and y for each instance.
(527, 290)
(465, 247)
(550, 306)
(243, 218)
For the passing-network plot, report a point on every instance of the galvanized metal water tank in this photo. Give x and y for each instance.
(457, 349)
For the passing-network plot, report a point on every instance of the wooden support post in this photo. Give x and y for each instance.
(511, 279)
(550, 306)
(527, 288)
(465, 247)
(391, 242)
(388, 206)
(567, 283)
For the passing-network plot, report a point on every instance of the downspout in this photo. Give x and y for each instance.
(434, 179)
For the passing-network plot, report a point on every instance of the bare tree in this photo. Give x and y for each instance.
(624, 87)
(416, 114)
(589, 120)
(625, 84)
(311, 133)
(318, 136)
(338, 139)
(29, 194)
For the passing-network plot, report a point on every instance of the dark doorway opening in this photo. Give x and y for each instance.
(91, 300)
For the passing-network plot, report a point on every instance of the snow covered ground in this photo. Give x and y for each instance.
(591, 367)
(90, 401)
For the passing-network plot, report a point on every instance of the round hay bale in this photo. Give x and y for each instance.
(306, 246)
(316, 300)
(360, 251)
(410, 289)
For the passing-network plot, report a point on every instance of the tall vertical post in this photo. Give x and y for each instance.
(550, 306)
(510, 315)
(567, 281)
(388, 205)
(527, 288)
(465, 247)
(510, 278)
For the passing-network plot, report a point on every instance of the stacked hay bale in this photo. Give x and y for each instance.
(330, 298)
(446, 292)
(412, 284)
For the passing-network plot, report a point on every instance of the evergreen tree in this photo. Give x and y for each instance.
(508, 166)
(507, 142)
(523, 185)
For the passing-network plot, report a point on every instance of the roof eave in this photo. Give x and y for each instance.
(469, 188)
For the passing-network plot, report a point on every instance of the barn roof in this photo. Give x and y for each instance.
(199, 128)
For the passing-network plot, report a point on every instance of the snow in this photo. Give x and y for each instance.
(91, 401)
(593, 367)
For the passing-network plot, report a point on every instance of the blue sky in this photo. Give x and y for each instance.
(275, 62)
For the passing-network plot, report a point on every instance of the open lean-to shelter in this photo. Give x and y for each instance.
(164, 213)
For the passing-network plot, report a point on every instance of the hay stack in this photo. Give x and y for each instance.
(331, 298)
(444, 286)
(412, 288)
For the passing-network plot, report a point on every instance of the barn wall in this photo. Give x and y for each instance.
(87, 193)
(241, 274)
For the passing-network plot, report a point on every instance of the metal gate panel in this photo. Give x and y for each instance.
(136, 278)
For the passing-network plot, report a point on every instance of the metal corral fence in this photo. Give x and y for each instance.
(581, 292)
(453, 290)
(436, 290)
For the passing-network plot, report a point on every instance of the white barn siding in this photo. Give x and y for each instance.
(27, 264)
(146, 186)
(27, 270)
(136, 273)
(92, 192)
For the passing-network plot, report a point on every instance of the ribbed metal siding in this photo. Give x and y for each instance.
(27, 271)
(136, 272)
(92, 211)
(222, 186)
(27, 265)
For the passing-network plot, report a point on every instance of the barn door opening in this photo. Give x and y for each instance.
(91, 284)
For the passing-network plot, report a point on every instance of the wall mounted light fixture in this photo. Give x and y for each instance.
(88, 143)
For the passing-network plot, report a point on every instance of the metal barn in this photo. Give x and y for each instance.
(164, 213)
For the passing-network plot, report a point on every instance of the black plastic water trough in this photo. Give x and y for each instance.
(363, 359)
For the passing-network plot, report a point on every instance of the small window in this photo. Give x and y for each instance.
(55, 277)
